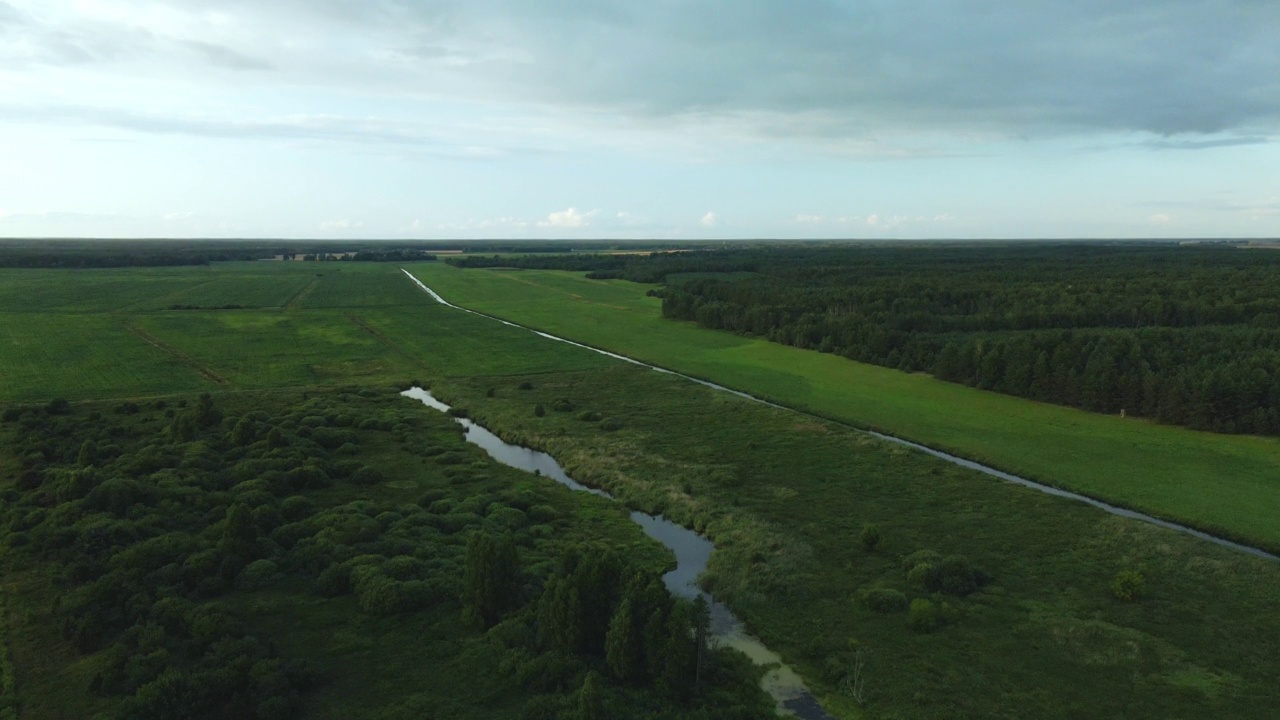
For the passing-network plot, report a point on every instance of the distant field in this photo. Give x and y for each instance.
(1228, 484)
(110, 333)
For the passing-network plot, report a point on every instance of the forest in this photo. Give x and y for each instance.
(163, 533)
(1185, 335)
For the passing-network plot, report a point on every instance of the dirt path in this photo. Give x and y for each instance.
(176, 354)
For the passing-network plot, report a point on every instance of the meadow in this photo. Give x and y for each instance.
(1224, 484)
(948, 593)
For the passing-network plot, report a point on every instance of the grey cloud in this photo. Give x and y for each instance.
(226, 57)
(1206, 144)
(362, 131)
(1166, 67)
(831, 69)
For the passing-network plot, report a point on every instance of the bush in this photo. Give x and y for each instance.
(884, 600)
(526, 385)
(589, 416)
(58, 406)
(924, 616)
(259, 574)
(562, 405)
(538, 410)
(611, 424)
(1128, 585)
(952, 575)
(870, 536)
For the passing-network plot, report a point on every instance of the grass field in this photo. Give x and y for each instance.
(1226, 484)
(109, 333)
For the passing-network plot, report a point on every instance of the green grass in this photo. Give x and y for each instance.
(109, 334)
(1226, 484)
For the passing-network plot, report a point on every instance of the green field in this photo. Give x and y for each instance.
(786, 497)
(108, 333)
(1226, 484)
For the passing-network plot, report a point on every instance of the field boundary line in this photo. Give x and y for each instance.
(386, 341)
(302, 294)
(176, 354)
(162, 300)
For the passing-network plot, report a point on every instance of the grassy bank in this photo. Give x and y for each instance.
(1225, 484)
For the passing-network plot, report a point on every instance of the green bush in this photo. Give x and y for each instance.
(366, 476)
(1128, 585)
(924, 615)
(258, 575)
(869, 537)
(589, 416)
(611, 424)
(562, 405)
(884, 600)
(538, 410)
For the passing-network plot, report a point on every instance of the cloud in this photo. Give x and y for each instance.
(570, 218)
(873, 220)
(854, 73)
(226, 57)
(424, 136)
(1159, 219)
(710, 220)
(810, 219)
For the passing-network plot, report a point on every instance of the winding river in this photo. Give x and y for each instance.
(692, 552)
(1106, 507)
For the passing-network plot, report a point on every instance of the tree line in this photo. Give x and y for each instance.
(1186, 335)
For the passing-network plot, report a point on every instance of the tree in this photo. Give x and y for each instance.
(591, 698)
(491, 577)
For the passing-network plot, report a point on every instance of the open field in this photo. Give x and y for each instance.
(83, 334)
(1226, 484)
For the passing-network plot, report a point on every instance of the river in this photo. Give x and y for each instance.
(692, 552)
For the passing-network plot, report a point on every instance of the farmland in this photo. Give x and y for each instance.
(1222, 483)
(957, 594)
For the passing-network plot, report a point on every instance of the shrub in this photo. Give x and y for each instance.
(924, 616)
(952, 575)
(562, 405)
(366, 476)
(58, 406)
(538, 410)
(589, 416)
(526, 385)
(259, 574)
(1128, 585)
(870, 536)
(611, 424)
(884, 600)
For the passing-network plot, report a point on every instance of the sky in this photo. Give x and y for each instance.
(664, 119)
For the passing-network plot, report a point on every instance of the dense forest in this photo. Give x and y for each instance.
(160, 538)
(1186, 335)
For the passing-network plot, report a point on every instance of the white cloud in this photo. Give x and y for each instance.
(873, 219)
(710, 219)
(809, 219)
(570, 218)
(1159, 218)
